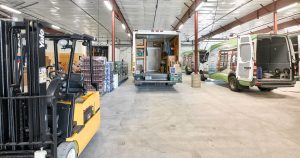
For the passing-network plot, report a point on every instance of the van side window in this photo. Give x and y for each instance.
(223, 61)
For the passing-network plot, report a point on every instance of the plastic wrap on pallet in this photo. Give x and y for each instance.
(109, 72)
(98, 71)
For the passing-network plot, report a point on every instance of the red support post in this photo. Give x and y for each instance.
(196, 43)
(113, 35)
(275, 18)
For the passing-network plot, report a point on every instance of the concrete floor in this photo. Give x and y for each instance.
(211, 122)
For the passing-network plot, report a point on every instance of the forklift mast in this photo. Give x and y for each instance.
(27, 113)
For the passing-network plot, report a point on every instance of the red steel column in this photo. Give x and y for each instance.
(275, 18)
(113, 35)
(196, 42)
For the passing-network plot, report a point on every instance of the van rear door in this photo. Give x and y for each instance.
(245, 61)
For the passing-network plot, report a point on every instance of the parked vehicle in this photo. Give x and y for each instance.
(189, 60)
(295, 39)
(265, 61)
(155, 57)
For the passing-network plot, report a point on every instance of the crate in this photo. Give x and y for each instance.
(176, 78)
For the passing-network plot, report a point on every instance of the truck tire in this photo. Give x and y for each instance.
(203, 78)
(265, 89)
(233, 84)
(67, 150)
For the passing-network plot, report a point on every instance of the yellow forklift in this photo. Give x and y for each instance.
(39, 119)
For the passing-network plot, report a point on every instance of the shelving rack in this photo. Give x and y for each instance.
(140, 56)
(121, 68)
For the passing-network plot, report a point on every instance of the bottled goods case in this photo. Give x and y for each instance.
(98, 70)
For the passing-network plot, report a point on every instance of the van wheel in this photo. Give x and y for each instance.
(67, 150)
(233, 84)
(203, 78)
(265, 89)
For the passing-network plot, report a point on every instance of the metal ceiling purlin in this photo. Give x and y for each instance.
(251, 16)
(283, 25)
(120, 14)
(188, 13)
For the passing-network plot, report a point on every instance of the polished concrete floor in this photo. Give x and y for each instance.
(210, 122)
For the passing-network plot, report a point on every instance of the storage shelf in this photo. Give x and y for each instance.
(138, 47)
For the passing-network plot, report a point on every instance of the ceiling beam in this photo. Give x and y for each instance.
(281, 26)
(120, 15)
(188, 14)
(264, 10)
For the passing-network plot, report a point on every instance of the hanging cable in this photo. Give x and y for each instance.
(156, 6)
(214, 20)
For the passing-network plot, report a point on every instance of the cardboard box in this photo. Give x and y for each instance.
(177, 68)
(172, 70)
(140, 42)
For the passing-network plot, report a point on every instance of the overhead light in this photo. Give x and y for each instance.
(55, 27)
(123, 26)
(287, 7)
(180, 27)
(199, 6)
(10, 9)
(15, 19)
(108, 5)
(128, 34)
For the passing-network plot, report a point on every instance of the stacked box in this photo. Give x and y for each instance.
(98, 71)
(176, 77)
(109, 75)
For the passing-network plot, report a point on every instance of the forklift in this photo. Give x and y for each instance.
(40, 119)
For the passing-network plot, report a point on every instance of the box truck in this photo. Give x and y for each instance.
(155, 57)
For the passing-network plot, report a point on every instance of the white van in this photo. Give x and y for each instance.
(265, 61)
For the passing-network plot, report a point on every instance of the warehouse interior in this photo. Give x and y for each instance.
(149, 78)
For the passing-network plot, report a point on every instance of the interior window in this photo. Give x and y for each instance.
(245, 52)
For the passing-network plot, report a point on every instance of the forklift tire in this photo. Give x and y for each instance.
(67, 150)
(203, 78)
(233, 84)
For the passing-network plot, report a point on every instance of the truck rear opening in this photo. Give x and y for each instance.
(273, 58)
(156, 57)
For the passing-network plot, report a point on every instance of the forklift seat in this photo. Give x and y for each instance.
(76, 84)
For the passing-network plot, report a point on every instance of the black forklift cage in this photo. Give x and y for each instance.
(74, 38)
(22, 142)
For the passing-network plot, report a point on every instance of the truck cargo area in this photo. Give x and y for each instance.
(156, 57)
(273, 59)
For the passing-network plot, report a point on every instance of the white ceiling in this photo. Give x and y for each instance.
(211, 17)
(140, 13)
(70, 17)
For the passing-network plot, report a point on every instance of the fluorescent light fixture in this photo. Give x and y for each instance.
(108, 5)
(128, 34)
(55, 27)
(10, 9)
(199, 6)
(15, 19)
(180, 27)
(123, 26)
(287, 7)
